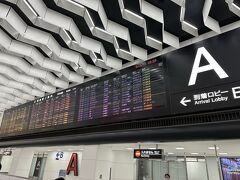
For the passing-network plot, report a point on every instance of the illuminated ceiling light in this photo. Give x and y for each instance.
(223, 153)
(153, 39)
(194, 153)
(212, 148)
(95, 55)
(152, 148)
(104, 31)
(236, 6)
(90, 17)
(190, 25)
(130, 149)
(76, 3)
(181, 13)
(100, 60)
(191, 159)
(170, 153)
(179, 148)
(69, 35)
(78, 65)
(31, 8)
(118, 47)
(136, 15)
(125, 51)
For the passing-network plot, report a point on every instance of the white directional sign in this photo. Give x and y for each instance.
(210, 98)
(184, 101)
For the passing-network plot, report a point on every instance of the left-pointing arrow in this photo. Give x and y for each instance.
(184, 101)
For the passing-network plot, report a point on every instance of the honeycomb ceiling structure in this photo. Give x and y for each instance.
(49, 45)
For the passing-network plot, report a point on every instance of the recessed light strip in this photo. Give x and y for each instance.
(31, 8)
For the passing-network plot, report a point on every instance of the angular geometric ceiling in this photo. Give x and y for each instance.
(48, 45)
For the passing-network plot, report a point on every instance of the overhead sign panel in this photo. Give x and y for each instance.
(205, 76)
(148, 154)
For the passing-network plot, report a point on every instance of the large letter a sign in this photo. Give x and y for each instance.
(73, 165)
(213, 65)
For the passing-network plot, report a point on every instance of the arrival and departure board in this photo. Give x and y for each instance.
(137, 92)
(16, 120)
(134, 91)
(53, 110)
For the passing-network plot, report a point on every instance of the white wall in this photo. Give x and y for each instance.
(21, 163)
(124, 166)
(177, 170)
(212, 168)
(52, 167)
(104, 162)
(6, 163)
(197, 171)
(88, 167)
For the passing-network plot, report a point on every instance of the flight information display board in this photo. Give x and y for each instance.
(15, 120)
(53, 110)
(140, 89)
(137, 92)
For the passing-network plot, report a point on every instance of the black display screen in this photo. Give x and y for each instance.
(54, 110)
(137, 92)
(15, 120)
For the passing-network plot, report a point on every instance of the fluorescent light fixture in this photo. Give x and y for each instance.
(129, 148)
(124, 51)
(120, 48)
(181, 13)
(212, 148)
(223, 153)
(194, 153)
(152, 148)
(104, 31)
(89, 17)
(31, 8)
(100, 60)
(94, 54)
(153, 39)
(180, 159)
(64, 30)
(179, 148)
(76, 3)
(49, 150)
(190, 25)
(69, 35)
(236, 6)
(78, 65)
(115, 39)
(191, 159)
(170, 153)
(132, 13)
(201, 160)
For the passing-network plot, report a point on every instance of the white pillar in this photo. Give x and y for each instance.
(21, 163)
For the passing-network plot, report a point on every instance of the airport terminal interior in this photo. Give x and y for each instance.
(119, 90)
(199, 160)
